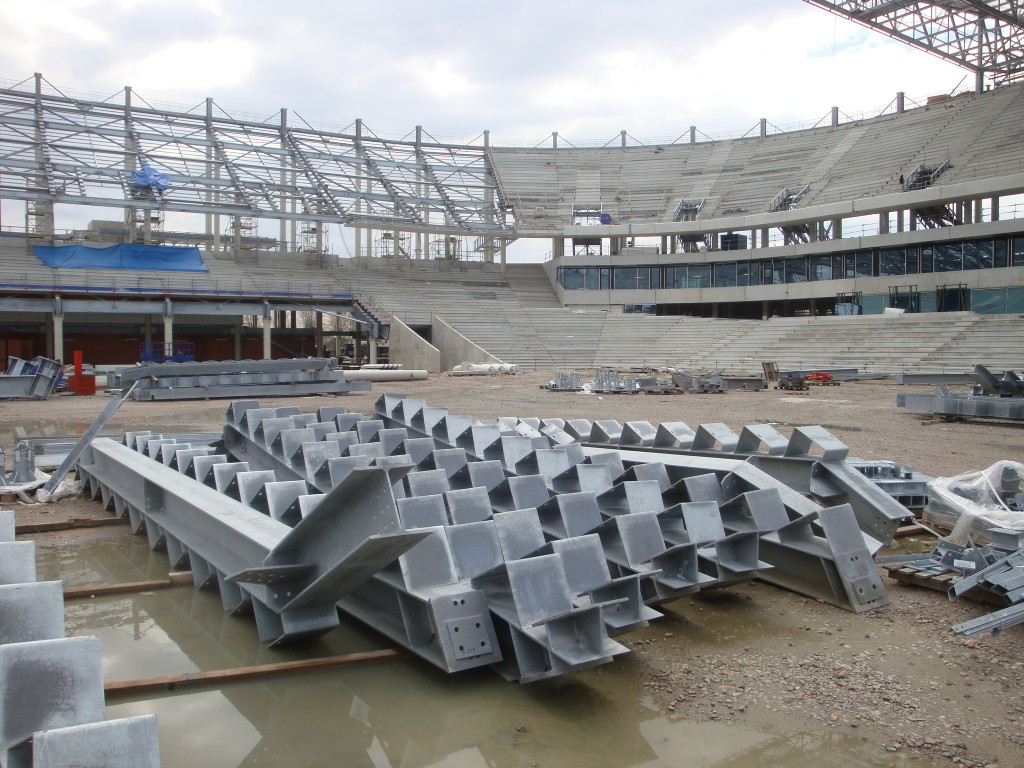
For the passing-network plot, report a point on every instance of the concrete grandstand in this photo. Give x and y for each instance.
(787, 245)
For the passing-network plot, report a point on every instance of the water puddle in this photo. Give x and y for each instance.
(402, 713)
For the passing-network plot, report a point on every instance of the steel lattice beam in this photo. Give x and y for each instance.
(58, 149)
(985, 37)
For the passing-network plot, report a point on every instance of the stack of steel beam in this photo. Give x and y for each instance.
(51, 707)
(33, 378)
(521, 549)
(991, 398)
(236, 378)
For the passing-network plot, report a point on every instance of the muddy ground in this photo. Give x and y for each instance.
(752, 654)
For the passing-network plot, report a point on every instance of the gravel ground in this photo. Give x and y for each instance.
(752, 654)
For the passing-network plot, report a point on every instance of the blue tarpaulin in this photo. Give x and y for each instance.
(147, 176)
(162, 258)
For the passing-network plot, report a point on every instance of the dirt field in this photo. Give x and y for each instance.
(751, 654)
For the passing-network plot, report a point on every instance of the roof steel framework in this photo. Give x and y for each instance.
(985, 37)
(58, 149)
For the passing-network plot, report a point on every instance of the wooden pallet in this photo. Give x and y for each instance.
(939, 582)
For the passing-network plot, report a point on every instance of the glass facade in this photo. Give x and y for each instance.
(876, 262)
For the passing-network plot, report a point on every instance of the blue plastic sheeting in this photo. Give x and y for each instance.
(147, 258)
(146, 176)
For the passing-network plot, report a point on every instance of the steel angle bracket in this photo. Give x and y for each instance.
(836, 567)
(878, 514)
(352, 534)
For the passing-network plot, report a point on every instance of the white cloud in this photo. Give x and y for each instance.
(215, 63)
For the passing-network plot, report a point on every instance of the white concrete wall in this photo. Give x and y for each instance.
(456, 348)
(407, 347)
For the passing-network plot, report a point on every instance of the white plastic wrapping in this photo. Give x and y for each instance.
(976, 499)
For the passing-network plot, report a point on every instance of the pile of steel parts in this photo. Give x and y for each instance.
(608, 381)
(699, 383)
(990, 398)
(908, 487)
(235, 378)
(35, 378)
(996, 568)
(523, 545)
(51, 711)
(652, 385)
(564, 381)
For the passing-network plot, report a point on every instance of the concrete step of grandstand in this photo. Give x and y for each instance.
(531, 286)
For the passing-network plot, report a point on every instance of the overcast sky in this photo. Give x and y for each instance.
(521, 69)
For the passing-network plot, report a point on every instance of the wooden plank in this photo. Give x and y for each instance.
(66, 525)
(173, 579)
(911, 530)
(217, 677)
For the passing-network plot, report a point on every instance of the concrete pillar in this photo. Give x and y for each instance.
(236, 332)
(168, 329)
(554, 139)
(899, 220)
(814, 309)
(557, 247)
(622, 137)
(763, 127)
(318, 335)
(883, 223)
(764, 309)
(837, 229)
(372, 344)
(693, 134)
(147, 329)
(979, 80)
(978, 212)
(764, 237)
(901, 98)
(268, 323)
(664, 244)
(58, 337)
(714, 241)
(504, 253)
(835, 116)
(994, 216)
